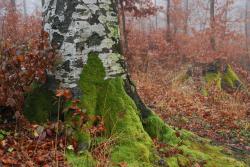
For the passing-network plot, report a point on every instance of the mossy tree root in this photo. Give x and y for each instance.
(126, 117)
(134, 125)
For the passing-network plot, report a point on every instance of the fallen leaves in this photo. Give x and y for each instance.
(30, 146)
(66, 93)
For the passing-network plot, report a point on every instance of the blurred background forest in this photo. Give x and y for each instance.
(179, 53)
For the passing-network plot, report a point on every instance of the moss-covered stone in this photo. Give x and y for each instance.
(226, 80)
(40, 105)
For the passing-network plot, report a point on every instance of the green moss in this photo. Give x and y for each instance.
(40, 105)
(183, 161)
(156, 128)
(109, 99)
(178, 161)
(200, 150)
(172, 162)
(83, 160)
(91, 81)
(230, 78)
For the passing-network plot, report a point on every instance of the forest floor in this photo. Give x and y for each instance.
(30, 145)
(222, 117)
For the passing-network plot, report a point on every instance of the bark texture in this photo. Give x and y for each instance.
(78, 27)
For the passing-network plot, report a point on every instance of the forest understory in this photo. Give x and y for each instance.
(169, 96)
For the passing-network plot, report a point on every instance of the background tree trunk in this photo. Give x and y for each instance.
(247, 24)
(156, 16)
(13, 4)
(186, 8)
(168, 20)
(123, 26)
(25, 7)
(212, 24)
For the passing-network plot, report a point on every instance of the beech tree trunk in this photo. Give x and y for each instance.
(77, 28)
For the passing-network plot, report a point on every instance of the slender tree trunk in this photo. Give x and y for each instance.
(212, 24)
(122, 20)
(13, 4)
(168, 20)
(186, 6)
(43, 1)
(25, 7)
(247, 24)
(156, 16)
(226, 17)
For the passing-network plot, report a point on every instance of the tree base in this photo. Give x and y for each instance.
(132, 132)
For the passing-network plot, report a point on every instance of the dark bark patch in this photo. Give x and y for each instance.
(56, 23)
(57, 40)
(78, 63)
(70, 39)
(66, 66)
(93, 19)
(80, 46)
(94, 40)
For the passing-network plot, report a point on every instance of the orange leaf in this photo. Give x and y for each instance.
(59, 92)
(20, 58)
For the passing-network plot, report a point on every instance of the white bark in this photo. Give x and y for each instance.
(78, 27)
